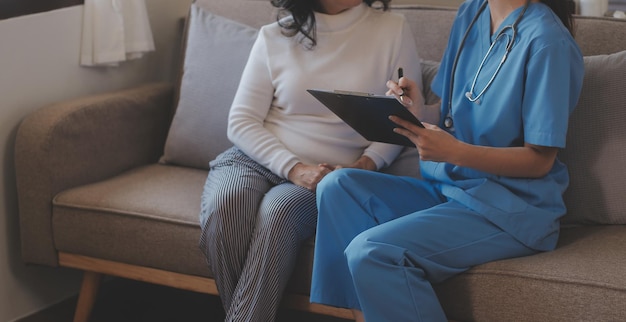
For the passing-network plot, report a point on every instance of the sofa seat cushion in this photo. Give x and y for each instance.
(147, 216)
(582, 280)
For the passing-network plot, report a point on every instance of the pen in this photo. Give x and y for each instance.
(400, 75)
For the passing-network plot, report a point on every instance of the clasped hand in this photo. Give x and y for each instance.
(308, 176)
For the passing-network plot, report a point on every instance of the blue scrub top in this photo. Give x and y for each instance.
(529, 100)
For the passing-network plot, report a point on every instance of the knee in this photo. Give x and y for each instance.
(333, 179)
(212, 209)
(225, 212)
(225, 199)
(338, 181)
(287, 224)
(276, 217)
(367, 255)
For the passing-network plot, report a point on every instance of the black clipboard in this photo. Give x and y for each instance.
(368, 114)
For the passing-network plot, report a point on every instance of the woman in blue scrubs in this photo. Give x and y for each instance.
(491, 184)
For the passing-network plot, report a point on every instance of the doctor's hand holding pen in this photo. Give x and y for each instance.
(432, 143)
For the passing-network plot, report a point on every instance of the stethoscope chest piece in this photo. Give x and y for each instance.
(448, 123)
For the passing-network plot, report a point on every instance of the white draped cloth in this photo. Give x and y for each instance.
(114, 31)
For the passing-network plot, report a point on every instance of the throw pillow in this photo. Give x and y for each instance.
(596, 139)
(216, 53)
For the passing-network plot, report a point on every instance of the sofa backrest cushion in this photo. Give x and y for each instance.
(600, 35)
(216, 53)
(595, 152)
(430, 27)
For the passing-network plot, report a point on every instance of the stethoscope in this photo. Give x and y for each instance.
(448, 122)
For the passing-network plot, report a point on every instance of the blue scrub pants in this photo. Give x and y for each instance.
(382, 240)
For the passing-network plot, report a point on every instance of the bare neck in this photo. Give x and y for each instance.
(500, 9)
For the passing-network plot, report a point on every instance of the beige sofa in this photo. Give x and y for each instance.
(110, 184)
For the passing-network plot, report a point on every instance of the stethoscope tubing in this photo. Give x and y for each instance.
(448, 121)
(470, 94)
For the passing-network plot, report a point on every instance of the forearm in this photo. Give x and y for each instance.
(528, 161)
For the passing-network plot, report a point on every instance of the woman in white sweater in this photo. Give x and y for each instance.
(258, 203)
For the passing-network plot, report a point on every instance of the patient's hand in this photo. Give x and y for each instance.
(308, 176)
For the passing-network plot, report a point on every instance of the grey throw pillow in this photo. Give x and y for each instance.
(596, 139)
(216, 53)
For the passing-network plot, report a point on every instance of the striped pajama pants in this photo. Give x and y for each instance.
(253, 224)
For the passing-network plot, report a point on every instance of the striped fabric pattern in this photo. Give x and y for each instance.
(253, 223)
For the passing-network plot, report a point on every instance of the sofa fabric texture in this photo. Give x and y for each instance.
(87, 140)
(119, 176)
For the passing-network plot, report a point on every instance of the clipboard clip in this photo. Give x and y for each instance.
(353, 93)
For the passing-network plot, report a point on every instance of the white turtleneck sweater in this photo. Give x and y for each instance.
(278, 124)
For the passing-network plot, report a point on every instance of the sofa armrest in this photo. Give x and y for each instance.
(82, 141)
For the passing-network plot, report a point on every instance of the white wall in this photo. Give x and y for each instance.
(39, 57)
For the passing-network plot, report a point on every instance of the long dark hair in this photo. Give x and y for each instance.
(563, 9)
(303, 19)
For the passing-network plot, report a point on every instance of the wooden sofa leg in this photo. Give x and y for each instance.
(87, 296)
